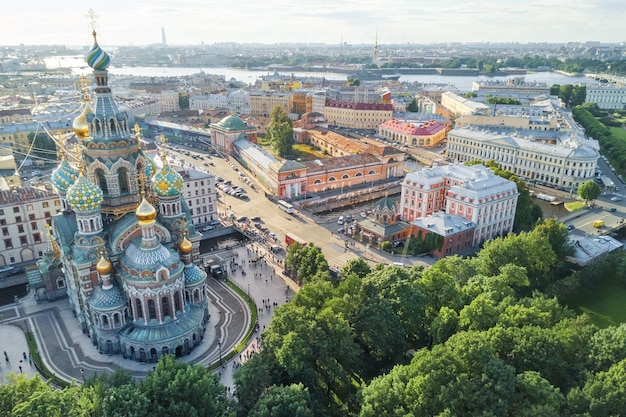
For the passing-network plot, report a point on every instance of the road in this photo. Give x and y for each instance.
(321, 231)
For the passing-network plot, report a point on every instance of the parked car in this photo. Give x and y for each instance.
(612, 209)
(340, 220)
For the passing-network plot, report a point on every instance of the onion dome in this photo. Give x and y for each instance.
(80, 125)
(193, 274)
(84, 195)
(185, 246)
(145, 212)
(107, 298)
(104, 266)
(96, 58)
(63, 177)
(167, 182)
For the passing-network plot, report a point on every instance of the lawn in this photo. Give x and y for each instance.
(573, 206)
(605, 305)
(618, 132)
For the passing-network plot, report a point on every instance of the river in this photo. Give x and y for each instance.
(463, 83)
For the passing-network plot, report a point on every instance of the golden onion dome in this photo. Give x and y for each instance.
(145, 212)
(80, 125)
(104, 266)
(185, 246)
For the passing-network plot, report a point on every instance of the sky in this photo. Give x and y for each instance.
(139, 22)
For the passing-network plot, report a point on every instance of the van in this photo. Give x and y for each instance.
(276, 248)
(598, 223)
(340, 220)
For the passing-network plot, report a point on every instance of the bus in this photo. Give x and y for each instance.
(291, 238)
(285, 206)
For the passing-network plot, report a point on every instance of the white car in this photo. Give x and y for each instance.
(616, 199)
(340, 220)
(363, 214)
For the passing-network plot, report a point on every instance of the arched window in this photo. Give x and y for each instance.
(177, 303)
(123, 179)
(371, 172)
(102, 181)
(317, 181)
(345, 177)
(358, 174)
(151, 309)
(139, 308)
(331, 179)
(113, 126)
(105, 322)
(165, 305)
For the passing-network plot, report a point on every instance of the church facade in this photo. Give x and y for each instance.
(123, 239)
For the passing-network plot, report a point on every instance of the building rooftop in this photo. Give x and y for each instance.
(444, 224)
(428, 128)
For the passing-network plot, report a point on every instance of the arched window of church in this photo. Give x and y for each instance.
(151, 309)
(105, 321)
(113, 126)
(177, 303)
(138, 308)
(123, 179)
(102, 181)
(97, 127)
(165, 304)
(91, 225)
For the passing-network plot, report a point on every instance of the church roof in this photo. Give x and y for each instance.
(386, 203)
(84, 195)
(232, 123)
(109, 299)
(193, 274)
(63, 177)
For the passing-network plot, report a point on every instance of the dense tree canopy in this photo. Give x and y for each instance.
(477, 336)
(280, 132)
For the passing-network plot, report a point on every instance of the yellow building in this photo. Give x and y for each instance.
(261, 104)
(356, 115)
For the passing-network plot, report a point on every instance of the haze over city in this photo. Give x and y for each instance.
(325, 21)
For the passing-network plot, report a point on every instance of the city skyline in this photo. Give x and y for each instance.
(190, 22)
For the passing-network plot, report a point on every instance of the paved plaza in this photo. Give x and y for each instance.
(70, 354)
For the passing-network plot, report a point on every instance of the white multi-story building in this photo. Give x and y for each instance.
(238, 102)
(200, 195)
(210, 101)
(168, 101)
(24, 213)
(610, 97)
(565, 162)
(472, 192)
(461, 106)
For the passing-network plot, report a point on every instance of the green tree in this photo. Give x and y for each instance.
(180, 390)
(280, 132)
(290, 401)
(412, 106)
(589, 191)
(353, 82)
(183, 101)
(565, 93)
(306, 262)
(355, 266)
(43, 146)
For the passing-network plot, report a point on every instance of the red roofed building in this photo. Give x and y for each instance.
(425, 134)
(355, 115)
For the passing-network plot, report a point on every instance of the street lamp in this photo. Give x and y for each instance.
(219, 346)
(82, 374)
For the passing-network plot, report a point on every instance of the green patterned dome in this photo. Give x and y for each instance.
(108, 299)
(63, 177)
(84, 195)
(96, 58)
(167, 182)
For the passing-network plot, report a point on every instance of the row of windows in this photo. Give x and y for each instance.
(345, 177)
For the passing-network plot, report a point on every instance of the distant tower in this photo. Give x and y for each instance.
(163, 41)
(376, 49)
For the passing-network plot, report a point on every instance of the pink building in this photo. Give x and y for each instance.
(426, 134)
(472, 192)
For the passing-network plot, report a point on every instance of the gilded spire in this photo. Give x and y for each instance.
(52, 244)
(162, 140)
